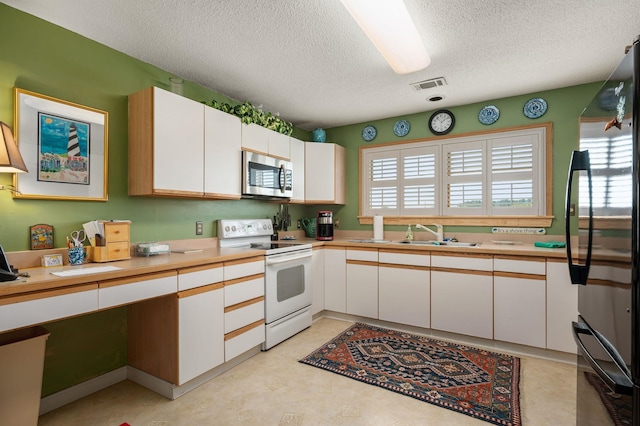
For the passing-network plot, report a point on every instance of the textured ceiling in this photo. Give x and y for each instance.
(309, 61)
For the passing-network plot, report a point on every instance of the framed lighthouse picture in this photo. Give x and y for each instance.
(64, 146)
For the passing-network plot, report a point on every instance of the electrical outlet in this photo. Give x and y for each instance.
(299, 224)
(336, 223)
(198, 227)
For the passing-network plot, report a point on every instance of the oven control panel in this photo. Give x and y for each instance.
(242, 228)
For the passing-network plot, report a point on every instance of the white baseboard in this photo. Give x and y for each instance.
(74, 393)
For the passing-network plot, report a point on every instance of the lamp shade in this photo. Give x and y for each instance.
(10, 158)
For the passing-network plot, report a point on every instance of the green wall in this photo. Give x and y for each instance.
(564, 107)
(50, 60)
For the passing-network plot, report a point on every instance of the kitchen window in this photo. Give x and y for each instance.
(496, 174)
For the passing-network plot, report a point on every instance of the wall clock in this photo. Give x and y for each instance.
(441, 122)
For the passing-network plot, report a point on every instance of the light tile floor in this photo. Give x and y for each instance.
(273, 388)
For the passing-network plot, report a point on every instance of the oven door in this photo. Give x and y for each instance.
(287, 284)
(266, 176)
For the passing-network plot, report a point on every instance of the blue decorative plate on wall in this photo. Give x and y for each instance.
(489, 114)
(535, 108)
(369, 133)
(401, 128)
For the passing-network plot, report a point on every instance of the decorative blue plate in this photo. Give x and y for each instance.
(401, 128)
(535, 108)
(489, 114)
(369, 133)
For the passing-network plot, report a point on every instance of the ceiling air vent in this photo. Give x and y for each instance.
(429, 84)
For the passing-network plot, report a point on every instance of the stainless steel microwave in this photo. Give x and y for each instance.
(266, 176)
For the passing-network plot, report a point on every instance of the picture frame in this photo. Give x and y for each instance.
(64, 146)
(41, 236)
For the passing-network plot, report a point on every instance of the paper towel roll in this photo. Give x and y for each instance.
(378, 229)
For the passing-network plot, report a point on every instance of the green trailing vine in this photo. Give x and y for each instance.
(249, 114)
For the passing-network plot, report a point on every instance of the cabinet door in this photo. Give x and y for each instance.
(404, 294)
(297, 159)
(317, 272)
(562, 307)
(362, 289)
(279, 145)
(201, 331)
(255, 138)
(178, 136)
(325, 173)
(519, 309)
(462, 302)
(335, 275)
(222, 154)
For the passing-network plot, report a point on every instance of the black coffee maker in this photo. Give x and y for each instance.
(324, 225)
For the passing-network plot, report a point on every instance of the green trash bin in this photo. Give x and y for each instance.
(21, 365)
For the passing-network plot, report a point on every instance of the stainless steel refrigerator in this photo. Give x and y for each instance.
(603, 249)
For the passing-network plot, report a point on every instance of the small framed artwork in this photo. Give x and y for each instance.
(64, 146)
(51, 260)
(41, 236)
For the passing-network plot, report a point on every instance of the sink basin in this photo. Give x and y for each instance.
(441, 243)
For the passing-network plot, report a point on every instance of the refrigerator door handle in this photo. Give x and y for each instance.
(579, 161)
(618, 383)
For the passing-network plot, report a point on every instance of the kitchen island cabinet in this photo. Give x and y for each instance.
(462, 294)
(519, 308)
(362, 282)
(404, 287)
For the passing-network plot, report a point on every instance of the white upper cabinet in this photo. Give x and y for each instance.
(296, 151)
(165, 144)
(325, 171)
(222, 154)
(182, 148)
(260, 139)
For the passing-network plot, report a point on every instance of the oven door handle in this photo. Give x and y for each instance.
(272, 260)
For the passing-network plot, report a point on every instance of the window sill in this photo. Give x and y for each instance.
(524, 221)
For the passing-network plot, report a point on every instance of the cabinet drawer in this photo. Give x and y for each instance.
(198, 277)
(404, 259)
(238, 291)
(127, 290)
(238, 316)
(243, 268)
(237, 344)
(370, 255)
(115, 231)
(456, 261)
(520, 266)
(26, 310)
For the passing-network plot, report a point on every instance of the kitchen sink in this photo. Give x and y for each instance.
(439, 243)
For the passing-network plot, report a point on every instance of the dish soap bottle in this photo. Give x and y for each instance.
(409, 235)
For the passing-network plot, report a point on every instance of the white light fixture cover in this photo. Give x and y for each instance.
(10, 158)
(390, 28)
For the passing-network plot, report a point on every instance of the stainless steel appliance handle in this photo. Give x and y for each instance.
(282, 178)
(618, 383)
(579, 161)
(275, 260)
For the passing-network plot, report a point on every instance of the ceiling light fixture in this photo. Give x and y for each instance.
(390, 28)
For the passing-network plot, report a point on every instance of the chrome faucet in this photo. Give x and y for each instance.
(439, 233)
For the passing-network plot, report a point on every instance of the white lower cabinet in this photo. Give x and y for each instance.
(317, 273)
(122, 291)
(519, 289)
(562, 306)
(243, 307)
(362, 282)
(335, 279)
(200, 331)
(404, 288)
(462, 294)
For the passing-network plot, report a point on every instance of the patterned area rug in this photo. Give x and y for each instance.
(475, 382)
